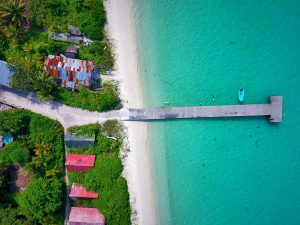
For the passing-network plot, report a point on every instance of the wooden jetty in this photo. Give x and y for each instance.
(70, 116)
(273, 110)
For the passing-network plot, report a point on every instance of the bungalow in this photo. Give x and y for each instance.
(78, 162)
(70, 72)
(79, 192)
(71, 52)
(71, 38)
(65, 37)
(81, 141)
(5, 73)
(86, 216)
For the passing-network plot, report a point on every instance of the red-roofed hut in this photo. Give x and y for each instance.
(78, 162)
(86, 216)
(79, 192)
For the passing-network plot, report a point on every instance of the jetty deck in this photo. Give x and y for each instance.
(273, 110)
(70, 116)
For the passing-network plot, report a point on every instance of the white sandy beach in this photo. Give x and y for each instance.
(137, 165)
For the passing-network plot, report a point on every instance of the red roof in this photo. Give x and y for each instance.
(78, 191)
(69, 63)
(69, 69)
(86, 216)
(78, 162)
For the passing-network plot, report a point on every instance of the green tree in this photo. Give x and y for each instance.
(105, 145)
(27, 47)
(88, 3)
(90, 130)
(9, 215)
(56, 47)
(43, 200)
(16, 35)
(43, 163)
(115, 202)
(42, 197)
(3, 44)
(107, 169)
(113, 129)
(46, 131)
(110, 99)
(56, 7)
(3, 179)
(104, 100)
(13, 12)
(47, 135)
(29, 74)
(26, 71)
(44, 85)
(15, 152)
(14, 121)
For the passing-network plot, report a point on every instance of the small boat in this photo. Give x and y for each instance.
(241, 94)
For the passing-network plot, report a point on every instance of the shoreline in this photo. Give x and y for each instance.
(137, 164)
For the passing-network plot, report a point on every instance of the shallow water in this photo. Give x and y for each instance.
(223, 171)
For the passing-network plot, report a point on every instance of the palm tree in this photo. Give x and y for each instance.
(44, 85)
(13, 12)
(27, 47)
(17, 36)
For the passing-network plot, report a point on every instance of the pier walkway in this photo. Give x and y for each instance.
(273, 110)
(70, 116)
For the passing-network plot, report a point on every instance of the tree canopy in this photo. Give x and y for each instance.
(15, 152)
(42, 197)
(13, 12)
(39, 148)
(15, 121)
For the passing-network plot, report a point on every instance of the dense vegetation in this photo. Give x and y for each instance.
(24, 42)
(107, 99)
(39, 149)
(15, 152)
(105, 178)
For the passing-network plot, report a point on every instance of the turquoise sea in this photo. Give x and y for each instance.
(222, 171)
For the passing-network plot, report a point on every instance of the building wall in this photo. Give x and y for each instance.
(78, 168)
(78, 144)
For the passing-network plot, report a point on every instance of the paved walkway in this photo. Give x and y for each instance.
(67, 116)
(70, 116)
(273, 110)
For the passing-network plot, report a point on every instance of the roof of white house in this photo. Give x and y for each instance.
(5, 73)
